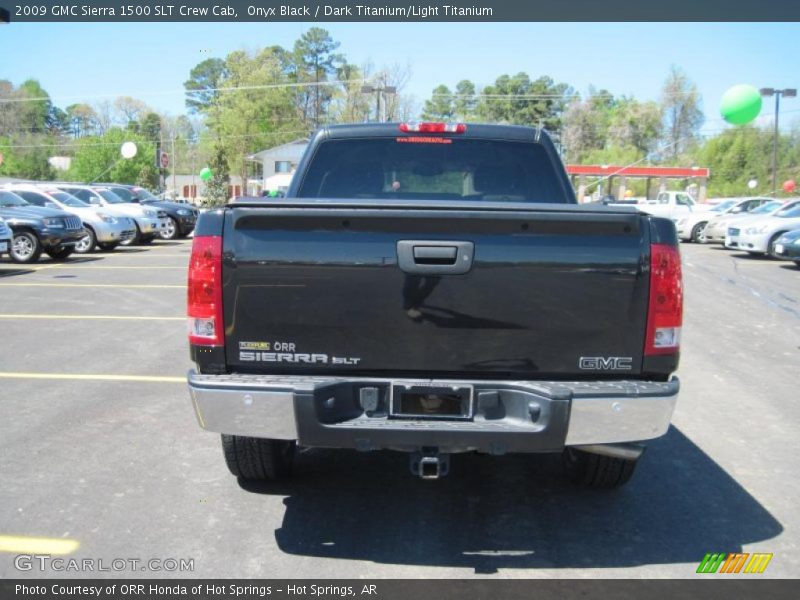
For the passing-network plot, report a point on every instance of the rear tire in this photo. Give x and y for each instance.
(697, 232)
(61, 253)
(598, 471)
(258, 459)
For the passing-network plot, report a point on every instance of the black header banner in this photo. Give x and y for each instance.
(268, 11)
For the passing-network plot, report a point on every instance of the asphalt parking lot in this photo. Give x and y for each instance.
(99, 445)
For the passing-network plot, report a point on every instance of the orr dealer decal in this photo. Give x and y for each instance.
(284, 352)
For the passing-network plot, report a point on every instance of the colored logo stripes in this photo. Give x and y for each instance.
(734, 562)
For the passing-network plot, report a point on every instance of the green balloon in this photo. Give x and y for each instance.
(206, 174)
(740, 104)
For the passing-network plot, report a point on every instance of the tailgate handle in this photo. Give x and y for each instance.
(435, 257)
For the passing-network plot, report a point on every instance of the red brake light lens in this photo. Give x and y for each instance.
(665, 312)
(433, 127)
(204, 306)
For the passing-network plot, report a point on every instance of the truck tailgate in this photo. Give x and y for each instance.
(432, 292)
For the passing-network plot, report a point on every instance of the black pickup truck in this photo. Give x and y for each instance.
(434, 289)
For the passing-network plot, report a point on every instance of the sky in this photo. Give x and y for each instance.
(89, 62)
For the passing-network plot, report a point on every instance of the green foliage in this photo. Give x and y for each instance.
(314, 61)
(217, 186)
(440, 107)
(97, 158)
(26, 157)
(202, 86)
(526, 101)
(740, 154)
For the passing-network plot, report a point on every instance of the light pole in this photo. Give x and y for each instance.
(384, 89)
(768, 93)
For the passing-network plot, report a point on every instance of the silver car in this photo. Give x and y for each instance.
(104, 227)
(716, 228)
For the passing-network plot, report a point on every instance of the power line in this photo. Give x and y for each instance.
(268, 86)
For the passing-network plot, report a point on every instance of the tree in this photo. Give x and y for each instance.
(520, 101)
(35, 107)
(349, 104)
(440, 106)
(26, 156)
(464, 101)
(82, 120)
(636, 125)
(315, 61)
(683, 115)
(202, 87)
(129, 109)
(99, 157)
(217, 186)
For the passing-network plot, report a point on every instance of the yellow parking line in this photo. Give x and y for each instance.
(92, 285)
(24, 544)
(93, 377)
(111, 317)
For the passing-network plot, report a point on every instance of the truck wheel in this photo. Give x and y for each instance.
(697, 233)
(257, 458)
(25, 248)
(598, 471)
(60, 253)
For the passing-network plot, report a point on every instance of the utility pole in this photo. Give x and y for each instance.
(380, 115)
(768, 93)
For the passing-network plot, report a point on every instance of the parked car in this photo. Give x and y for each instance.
(734, 224)
(180, 217)
(717, 227)
(478, 308)
(760, 236)
(5, 237)
(146, 220)
(788, 246)
(35, 229)
(690, 226)
(102, 227)
(693, 226)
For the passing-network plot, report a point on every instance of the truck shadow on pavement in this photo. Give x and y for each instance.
(516, 511)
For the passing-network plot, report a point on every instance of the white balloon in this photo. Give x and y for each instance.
(752, 184)
(128, 150)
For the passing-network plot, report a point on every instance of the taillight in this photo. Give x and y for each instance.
(665, 312)
(433, 127)
(204, 307)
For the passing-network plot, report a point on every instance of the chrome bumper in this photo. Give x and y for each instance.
(570, 413)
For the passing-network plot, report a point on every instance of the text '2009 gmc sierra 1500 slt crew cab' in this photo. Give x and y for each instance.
(434, 288)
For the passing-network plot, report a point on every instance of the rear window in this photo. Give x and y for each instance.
(444, 169)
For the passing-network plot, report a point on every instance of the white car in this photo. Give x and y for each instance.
(734, 224)
(690, 227)
(104, 226)
(148, 221)
(760, 235)
(5, 237)
(716, 228)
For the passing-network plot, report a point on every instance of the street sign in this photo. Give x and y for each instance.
(164, 160)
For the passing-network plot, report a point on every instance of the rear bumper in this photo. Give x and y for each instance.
(513, 416)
